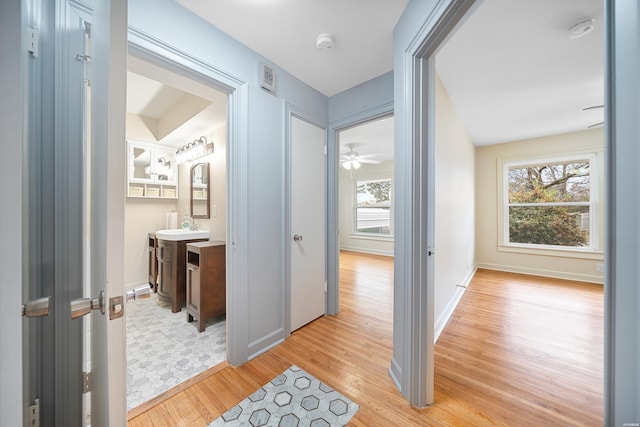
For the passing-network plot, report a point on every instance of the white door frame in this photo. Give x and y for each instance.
(164, 55)
(291, 111)
(414, 323)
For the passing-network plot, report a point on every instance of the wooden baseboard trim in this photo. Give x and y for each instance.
(144, 407)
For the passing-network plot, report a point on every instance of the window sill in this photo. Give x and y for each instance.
(378, 237)
(554, 252)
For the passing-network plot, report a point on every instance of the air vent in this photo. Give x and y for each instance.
(268, 78)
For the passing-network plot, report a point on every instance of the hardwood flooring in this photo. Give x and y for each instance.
(518, 351)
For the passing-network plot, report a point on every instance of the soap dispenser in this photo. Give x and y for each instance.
(186, 220)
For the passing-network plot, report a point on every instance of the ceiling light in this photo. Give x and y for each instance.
(194, 150)
(580, 28)
(325, 42)
(346, 164)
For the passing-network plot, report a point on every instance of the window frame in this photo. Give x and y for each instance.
(354, 211)
(592, 250)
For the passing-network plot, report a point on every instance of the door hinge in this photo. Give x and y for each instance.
(33, 41)
(86, 382)
(86, 66)
(34, 414)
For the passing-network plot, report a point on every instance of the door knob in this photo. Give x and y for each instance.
(297, 238)
(36, 308)
(83, 306)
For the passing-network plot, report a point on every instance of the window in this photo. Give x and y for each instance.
(550, 203)
(373, 206)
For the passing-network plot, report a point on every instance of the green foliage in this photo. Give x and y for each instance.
(549, 183)
(379, 189)
(548, 225)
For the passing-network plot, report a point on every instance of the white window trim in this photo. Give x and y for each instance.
(588, 252)
(354, 204)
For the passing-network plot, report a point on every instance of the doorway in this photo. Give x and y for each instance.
(365, 169)
(165, 111)
(420, 117)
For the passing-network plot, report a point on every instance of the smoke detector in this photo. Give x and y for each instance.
(580, 28)
(325, 42)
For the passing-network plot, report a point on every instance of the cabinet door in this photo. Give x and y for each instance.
(140, 162)
(165, 269)
(193, 288)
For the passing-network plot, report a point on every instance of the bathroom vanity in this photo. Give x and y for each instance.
(206, 281)
(172, 265)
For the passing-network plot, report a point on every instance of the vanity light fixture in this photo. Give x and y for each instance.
(194, 150)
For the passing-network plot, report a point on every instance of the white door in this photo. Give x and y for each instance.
(308, 234)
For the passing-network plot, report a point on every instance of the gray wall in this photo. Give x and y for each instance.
(186, 32)
(11, 218)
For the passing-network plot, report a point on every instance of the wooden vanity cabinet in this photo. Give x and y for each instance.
(206, 281)
(171, 271)
(153, 262)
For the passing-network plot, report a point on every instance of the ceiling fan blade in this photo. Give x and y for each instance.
(593, 107)
(372, 161)
(368, 156)
(596, 125)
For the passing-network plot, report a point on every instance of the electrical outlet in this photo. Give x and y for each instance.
(600, 267)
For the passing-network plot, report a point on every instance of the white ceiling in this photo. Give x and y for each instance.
(510, 69)
(175, 109)
(285, 31)
(513, 73)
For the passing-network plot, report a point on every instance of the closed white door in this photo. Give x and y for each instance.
(308, 206)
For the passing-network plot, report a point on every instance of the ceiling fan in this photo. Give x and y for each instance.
(594, 107)
(352, 159)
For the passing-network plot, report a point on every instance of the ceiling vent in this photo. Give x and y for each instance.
(268, 78)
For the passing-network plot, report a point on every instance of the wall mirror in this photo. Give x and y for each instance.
(200, 190)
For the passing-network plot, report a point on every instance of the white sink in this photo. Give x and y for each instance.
(178, 234)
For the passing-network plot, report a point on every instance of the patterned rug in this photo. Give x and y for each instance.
(293, 398)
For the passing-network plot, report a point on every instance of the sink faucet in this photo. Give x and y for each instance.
(194, 226)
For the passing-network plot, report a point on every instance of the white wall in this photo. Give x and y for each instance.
(454, 208)
(348, 241)
(488, 176)
(217, 225)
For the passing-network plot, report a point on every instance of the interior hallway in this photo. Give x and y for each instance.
(519, 350)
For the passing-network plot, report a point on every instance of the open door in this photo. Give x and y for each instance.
(74, 371)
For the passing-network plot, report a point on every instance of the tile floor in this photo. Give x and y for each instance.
(164, 350)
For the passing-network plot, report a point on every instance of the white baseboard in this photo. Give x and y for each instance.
(366, 251)
(453, 303)
(131, 286)
(591, 278)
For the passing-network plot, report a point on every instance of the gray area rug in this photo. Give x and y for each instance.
(293, 398)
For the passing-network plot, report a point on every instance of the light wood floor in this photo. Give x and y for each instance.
(518, 351)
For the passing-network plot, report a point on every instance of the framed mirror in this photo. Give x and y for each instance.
(200, 190)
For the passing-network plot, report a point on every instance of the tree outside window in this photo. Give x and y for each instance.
(550, 203)
(373, 206)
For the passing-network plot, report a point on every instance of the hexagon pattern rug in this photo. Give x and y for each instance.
(293, 398)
